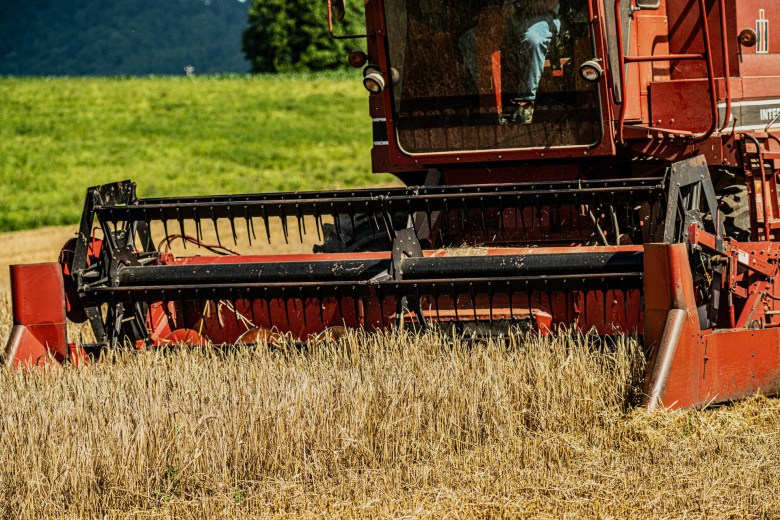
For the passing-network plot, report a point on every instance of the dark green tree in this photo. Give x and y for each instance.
(292, 35)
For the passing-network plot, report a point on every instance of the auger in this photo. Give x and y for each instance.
(607, 165)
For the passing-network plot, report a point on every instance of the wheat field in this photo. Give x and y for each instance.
(386, 426)
(393, 426)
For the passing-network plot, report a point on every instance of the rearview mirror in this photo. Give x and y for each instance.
(338, 8)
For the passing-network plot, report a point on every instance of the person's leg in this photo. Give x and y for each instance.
(467, 45)
(535, 37)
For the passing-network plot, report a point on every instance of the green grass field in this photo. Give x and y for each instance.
(176, 136)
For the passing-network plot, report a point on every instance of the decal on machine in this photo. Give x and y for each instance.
(752, 114)
(762, 31)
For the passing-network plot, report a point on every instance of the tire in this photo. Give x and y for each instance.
(362, 237)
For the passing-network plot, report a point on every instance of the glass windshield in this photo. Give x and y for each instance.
(486, 75)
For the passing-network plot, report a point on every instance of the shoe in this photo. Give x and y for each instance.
(524, 112)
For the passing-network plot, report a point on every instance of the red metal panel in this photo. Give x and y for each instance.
(706, 366)
(669, 287)
(651, 31)
(24, 349)
(757, 87)
(677, 105)
(607, 310)
(685, 37)
(657, 299)
(736, 364)
(37, 291)
(753, 62)
(38, 297)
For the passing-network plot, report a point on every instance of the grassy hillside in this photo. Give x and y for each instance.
(176, 136)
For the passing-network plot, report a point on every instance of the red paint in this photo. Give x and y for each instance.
(38, 297)
(607, 310)
(183, 336)
(710, 366)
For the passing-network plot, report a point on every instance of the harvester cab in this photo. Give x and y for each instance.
(603, 164)
(478, 77)
(474, 78)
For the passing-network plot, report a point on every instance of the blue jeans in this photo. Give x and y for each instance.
(533, 36)
(526, 44)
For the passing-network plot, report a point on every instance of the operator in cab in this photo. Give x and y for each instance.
(522, 30)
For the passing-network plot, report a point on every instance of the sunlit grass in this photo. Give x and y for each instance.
(176, 136)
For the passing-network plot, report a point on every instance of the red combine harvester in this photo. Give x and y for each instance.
(611, 164)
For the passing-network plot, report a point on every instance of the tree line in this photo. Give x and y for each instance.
(99, 37)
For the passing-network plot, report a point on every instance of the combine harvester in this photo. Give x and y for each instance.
(632, 187)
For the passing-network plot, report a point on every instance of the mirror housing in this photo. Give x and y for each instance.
(338, 8)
